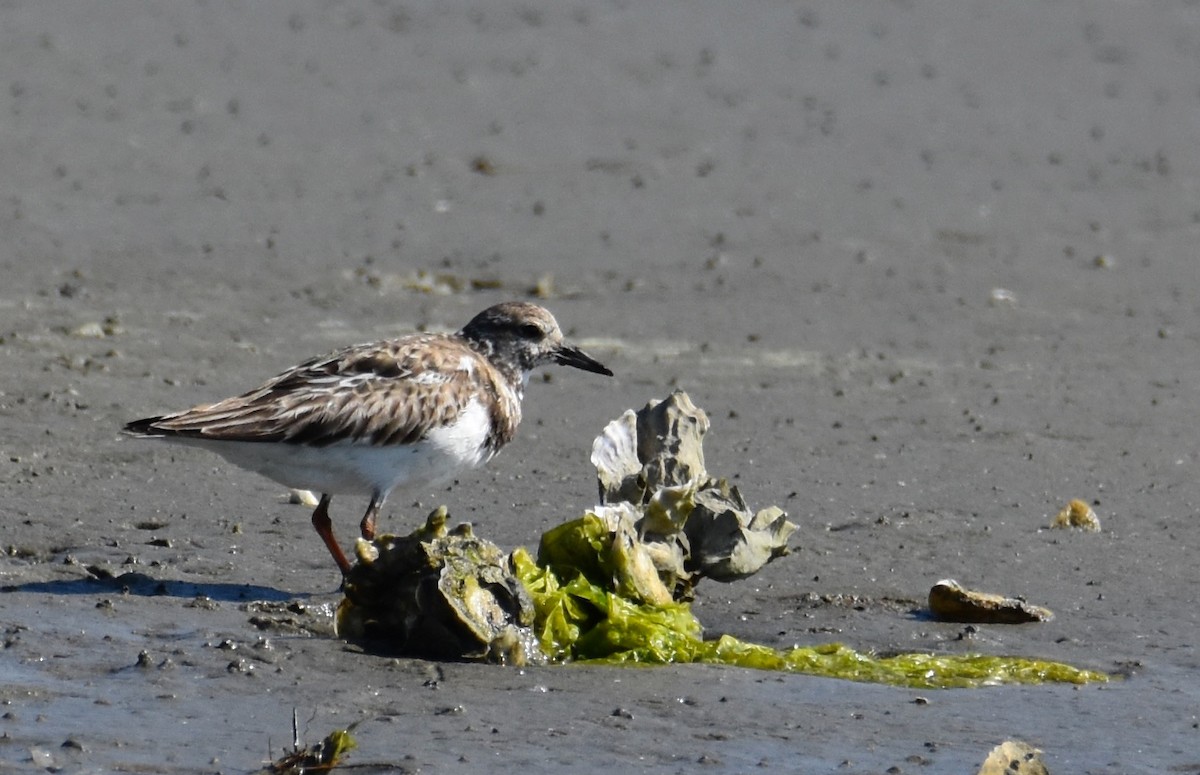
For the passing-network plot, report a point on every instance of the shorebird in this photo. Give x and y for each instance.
(369, 418)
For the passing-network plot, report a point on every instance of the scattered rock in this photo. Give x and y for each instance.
(110, 326)
(91, 330)
(41, 758)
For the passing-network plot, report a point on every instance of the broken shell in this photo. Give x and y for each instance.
(668, 509)
(670, 441)
(614, 454)
(1077, 514)
(91, 330)
(303, 497)
(950, 601)
(727, 543)
(645, 571)
(637, 578)
(1000, 296)
(1013, 757)
(366, 551)
(660, 446)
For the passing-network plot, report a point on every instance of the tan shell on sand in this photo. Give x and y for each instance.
(1078, 514)
(950, 601)
(1013, 757)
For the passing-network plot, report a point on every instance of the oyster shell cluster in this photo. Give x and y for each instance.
(439, 593)
(448, 594)
(672, 523)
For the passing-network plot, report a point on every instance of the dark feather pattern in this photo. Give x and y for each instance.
(383, 393)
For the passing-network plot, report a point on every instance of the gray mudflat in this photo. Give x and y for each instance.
(929, 266)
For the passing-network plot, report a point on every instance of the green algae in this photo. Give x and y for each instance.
(582, 616)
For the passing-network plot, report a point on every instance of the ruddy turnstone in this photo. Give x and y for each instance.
(373, 417)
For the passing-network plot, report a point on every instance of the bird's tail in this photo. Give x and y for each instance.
(144, 427)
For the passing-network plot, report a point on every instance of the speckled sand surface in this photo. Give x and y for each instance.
(930, 266)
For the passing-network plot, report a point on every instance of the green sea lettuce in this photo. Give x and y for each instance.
(580, 617)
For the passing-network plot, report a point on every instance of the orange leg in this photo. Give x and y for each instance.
(368, 521)
(324, 527)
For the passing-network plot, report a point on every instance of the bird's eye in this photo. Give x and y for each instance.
(530, 331)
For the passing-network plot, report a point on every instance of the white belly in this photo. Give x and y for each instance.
(348, 468)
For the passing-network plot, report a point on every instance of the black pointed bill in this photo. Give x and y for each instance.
(573, 356)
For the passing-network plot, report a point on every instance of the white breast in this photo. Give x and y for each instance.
(463, 441)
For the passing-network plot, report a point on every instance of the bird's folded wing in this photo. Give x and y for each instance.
(385, 393)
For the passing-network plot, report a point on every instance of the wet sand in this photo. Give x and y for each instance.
(929, 267)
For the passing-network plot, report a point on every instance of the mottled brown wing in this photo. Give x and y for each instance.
(391, 392)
